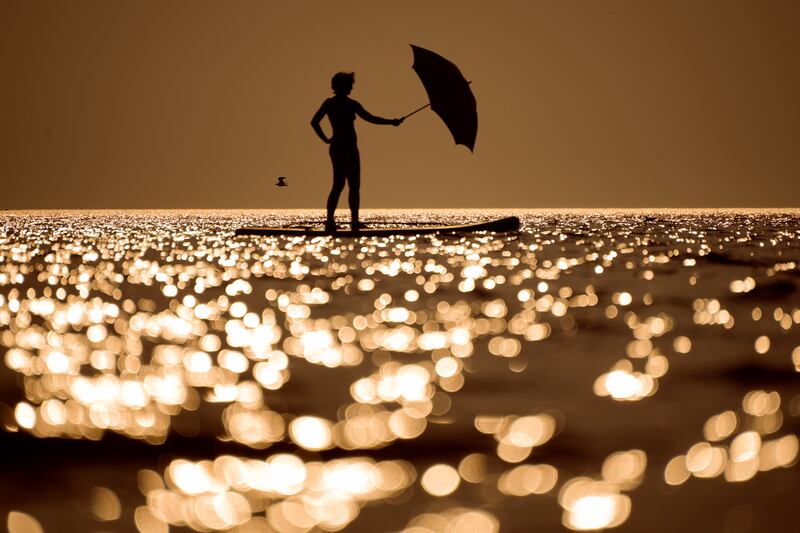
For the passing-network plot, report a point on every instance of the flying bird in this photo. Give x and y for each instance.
(282, 182)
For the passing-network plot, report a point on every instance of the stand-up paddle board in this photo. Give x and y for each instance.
(500, 225)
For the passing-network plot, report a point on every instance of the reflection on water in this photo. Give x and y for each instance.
(293, 495)
(441, 377)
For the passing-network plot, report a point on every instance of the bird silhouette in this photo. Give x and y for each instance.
(282, 182)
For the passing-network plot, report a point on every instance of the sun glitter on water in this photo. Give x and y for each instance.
(342, 375)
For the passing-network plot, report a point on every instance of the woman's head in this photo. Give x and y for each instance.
(342, 82)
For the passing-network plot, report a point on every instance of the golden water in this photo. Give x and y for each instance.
(630, 370)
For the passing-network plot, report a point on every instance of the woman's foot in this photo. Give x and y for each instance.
(357, 226)
(331, 227)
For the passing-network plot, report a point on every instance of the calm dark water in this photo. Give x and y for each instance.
(618, 370)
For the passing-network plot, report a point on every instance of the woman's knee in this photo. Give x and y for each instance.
(338, 182)
(354, 180)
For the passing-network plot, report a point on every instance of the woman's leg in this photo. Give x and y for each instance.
(354, 184)
(339, 176)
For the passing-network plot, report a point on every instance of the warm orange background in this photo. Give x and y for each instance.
(581, 104)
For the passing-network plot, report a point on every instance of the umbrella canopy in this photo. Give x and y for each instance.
(449, 94)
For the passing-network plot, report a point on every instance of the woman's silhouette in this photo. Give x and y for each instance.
(341, 111)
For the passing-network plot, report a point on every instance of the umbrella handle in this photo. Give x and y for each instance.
(416, 111)
(423, 107)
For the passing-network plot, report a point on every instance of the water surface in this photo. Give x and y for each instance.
(625, 370)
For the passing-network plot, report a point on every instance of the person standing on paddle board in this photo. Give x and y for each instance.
(341, 111)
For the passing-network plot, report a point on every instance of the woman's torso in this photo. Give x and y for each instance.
(342, 115)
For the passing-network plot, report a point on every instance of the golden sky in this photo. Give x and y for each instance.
(597, 103)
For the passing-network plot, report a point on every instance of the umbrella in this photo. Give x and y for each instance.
(449, 94)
